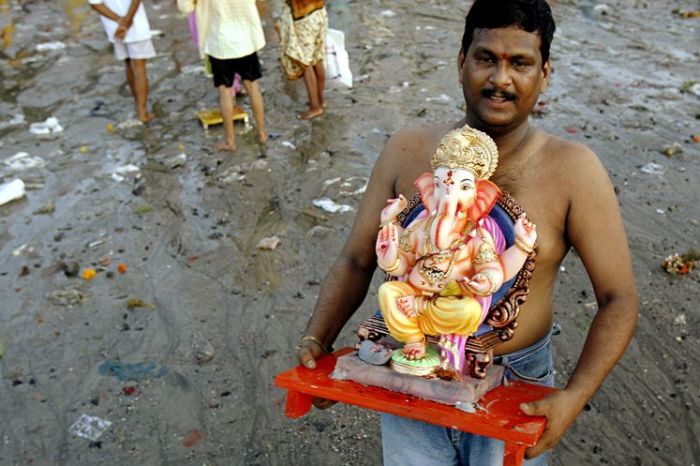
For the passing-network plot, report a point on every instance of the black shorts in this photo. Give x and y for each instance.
(247, 67)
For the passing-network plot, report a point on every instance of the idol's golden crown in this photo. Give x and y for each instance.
(467, 148)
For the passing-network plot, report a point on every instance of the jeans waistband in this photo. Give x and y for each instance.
(528, 350)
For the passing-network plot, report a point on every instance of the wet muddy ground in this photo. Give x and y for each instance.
(185, 221)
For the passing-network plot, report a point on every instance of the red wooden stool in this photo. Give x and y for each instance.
(501, 420)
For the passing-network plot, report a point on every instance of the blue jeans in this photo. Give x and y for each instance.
(408, 442)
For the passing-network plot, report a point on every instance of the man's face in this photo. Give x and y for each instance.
(502, 77)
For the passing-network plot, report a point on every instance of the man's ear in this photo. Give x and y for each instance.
(546, 72)
(461, 59)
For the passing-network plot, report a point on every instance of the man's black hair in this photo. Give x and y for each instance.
(528, 15)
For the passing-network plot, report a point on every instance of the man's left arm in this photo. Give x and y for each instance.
(595, 229)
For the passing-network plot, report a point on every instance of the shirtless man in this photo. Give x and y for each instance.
(503, 68)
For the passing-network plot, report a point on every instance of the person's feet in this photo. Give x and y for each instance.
(313, 113)
(226, 146)
(145, 116)
(262, 136)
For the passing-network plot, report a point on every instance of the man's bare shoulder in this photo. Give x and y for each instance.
(570, 157)
(412, 141)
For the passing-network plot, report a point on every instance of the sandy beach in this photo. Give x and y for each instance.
(134, 345)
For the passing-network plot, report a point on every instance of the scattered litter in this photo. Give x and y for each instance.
(95, 243)
(660, 211)
(67, 297)
(109, 127)
(686, 14)
(681, 264)
(89, 274)
(130, 123)
(50, 46)
(121, 267)
(132, 304)
(50, 126)
(121, 172)
(17, 119)
(387, 14)
(601, 9)
(129, 390)
(690, 87)
(441, 99)
(156, 32)
(47, 208)
(679, 320)
(89, 427)
(192, 438)
(269, 244)
(83, 149)
(653, 168)
(330, 206)
(11, 191)
(131, 371)
(289, 144)
(144, 209)
(672, 150)
(23, 250)
(202, 349)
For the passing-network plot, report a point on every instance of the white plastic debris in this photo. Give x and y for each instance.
(17, 119)
(130, 123)
(89, 427)
(330, 206)
(50, 46)
(653, 168)
(23, 161)
(289, 144)
(269, 244)
(127, 169)
(11, 191)
(441, 99)
(50, 126)
(387, 14)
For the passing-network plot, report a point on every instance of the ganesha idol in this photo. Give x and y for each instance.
(445, 265)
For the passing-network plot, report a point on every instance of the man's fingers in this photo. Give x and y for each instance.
(532, 409)
(542, 444)
(322, 403)
(306, 358)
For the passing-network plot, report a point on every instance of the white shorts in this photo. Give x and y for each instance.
(139, 49)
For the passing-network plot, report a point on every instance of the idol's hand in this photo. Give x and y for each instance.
(525, 231)
(393, 209)
(387, 248)
(480, 284)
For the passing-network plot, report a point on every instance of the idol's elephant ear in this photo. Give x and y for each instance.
(426, 188)
(486, 196)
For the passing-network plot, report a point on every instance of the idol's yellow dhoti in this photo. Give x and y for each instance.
(449, 313)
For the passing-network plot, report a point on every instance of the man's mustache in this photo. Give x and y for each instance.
(488, 93)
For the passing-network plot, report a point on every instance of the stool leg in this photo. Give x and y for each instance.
(297, 404)
(514, 455)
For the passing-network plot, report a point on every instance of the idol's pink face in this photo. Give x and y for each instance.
(502, 77)
(455, 189)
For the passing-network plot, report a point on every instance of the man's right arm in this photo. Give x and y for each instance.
(348, 280)
(99, 7)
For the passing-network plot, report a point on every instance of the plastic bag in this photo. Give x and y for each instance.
(337, 60)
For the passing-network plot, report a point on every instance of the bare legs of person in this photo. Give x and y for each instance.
(314, 79)
(137, 78)
(226, 107)
(256, 101)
